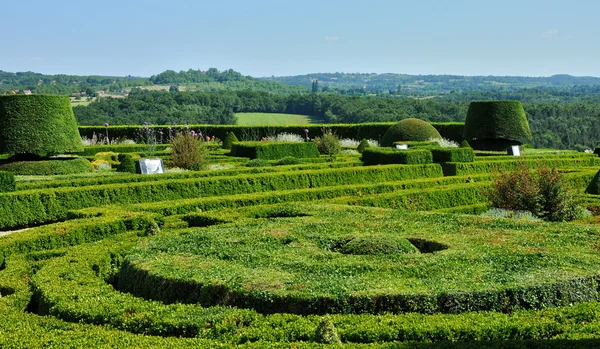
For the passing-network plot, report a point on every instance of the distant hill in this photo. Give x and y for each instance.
(377, 83)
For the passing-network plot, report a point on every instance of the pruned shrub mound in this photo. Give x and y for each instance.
(126, 163)
(594, 187)
(410, 129)
(280, 211)
(229, 140)
(364, 144)
(375, 245)
(274, 150)
(496, 125)
(38, 124)
(380, 156)
(427, 246)
(288, 160)
(326, 332)
(58, 166)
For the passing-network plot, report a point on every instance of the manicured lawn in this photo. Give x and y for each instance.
(272, 119)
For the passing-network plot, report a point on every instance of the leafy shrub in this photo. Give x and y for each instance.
(374, 245)
(326, 332)
(188, 152)
(410, 129)
(543, 193)
(496, 125)
(364, 144)
(151, 228)
(126, 163)
(377, 156)
(329, 143)
(444, 143)
(516, 214)
(288, 160)
(101, 165)
(48, 167)
(281, 211)
(453, 155)
(229, 140)
(38, 124)
(7, 181)
(257, 163)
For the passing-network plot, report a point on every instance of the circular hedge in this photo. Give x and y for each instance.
(410, 129)
(38, 124)
(496, 125)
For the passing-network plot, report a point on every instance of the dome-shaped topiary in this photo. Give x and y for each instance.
(229, 140)
(364, 144)
(38, 124)
(374, 245)
(496, 125)
(594, 187)
(409, 130)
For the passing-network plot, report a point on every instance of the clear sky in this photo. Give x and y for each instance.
(285, 37)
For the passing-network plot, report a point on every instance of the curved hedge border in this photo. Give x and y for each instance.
(38, 124)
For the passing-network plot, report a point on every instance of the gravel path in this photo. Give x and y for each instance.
(8, 232)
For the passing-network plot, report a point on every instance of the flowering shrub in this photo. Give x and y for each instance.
(543, 193)
(189, 151)
(329, 143)
(289, 137)
(444, 143)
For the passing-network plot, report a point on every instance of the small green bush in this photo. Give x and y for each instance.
(364, 144)
(326, 332)
(229, 140)
(48, 167)
(453, 155)
(288, 160)
(188, 152)
(410, 129)
(7, 182)
(377, 156)
(329, 143)
(126, 163)
(151, 228)
(257, 163)
(374, 245)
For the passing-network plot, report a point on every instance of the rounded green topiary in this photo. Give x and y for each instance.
(594, 187)
(38, 124)
(374, 245)
(496, 125)
(409, 130)
(229, 140)
(364, 144)
(326, 332)
(126, 163)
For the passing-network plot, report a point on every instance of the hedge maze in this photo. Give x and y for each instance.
(384, 247)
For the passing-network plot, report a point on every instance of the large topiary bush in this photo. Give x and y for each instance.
(496, 125)
(409, 130)
(41, 125)
(229, 140)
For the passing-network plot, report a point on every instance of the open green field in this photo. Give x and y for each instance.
(384, 256)
(252, 119)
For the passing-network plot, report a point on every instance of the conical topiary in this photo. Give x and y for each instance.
(364, 144)
(465, 144)
(594, 187)
(40, 125)
(326, 332)
(229, 140)
(126, 163)
(409, 130)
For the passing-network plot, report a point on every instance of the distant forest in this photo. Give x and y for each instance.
(559, 118)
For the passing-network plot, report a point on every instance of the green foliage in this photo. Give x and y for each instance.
(495, 125)
(126, 163)
(410, 129)
(326, 332)
(543, 193)
(288, 160)
(91, 150)
(377, 156)
(364, 144)
(257, 163)
(274, 150)
(196, 219)
(38, 124)
(229, 140)
(465, 144)
(594, 186)
(453, 155)
(7, 182)
(489, 166)
(188, 152)
(374, 245)
(417, 144)
(151, 228)
(48, 167)
(329, 143)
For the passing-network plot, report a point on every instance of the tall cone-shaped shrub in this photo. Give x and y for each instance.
(229, 140)
(41, 125)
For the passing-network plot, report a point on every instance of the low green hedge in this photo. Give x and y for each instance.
(48, 167)
(7, 181)
(416, 144)
(377, 156)
(91, 150)
(274, 150)
(453, 155)
(35, 206)
(462, 168)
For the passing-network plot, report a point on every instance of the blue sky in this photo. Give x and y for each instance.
(268, 37)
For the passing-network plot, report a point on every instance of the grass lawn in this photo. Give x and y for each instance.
(272, 119)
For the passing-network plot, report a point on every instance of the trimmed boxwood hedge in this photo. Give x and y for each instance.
(594, 186)
(463, 168)
(453, 155)
(274, 150)
(7, 181)
(495, 125)
(91, 150)
(59, 166)
(38, 124)
(410, 129)
(377, 156)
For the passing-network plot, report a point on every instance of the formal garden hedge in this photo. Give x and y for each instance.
(7, 181)
(48, 167)
(453, 155)
(377, 156)
(274, 150)
(38, 124)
